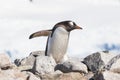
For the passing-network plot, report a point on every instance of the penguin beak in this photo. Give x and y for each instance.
(77, 27)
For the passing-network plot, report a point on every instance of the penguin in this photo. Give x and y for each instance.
(58, 38)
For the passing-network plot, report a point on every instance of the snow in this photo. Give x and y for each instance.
(100, 20)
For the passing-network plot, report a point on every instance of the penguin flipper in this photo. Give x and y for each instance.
(40, 33)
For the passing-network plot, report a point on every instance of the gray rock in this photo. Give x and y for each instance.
(114, 64)
(98, 60)
(107, 75)
(72, 66)
(30, 59)
(28, 62)
(17, 62)
(44, 65)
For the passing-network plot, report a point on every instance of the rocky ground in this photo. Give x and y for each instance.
(97, 66)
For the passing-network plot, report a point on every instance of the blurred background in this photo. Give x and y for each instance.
(100, 20)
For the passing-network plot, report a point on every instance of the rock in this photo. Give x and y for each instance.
(75, 59)
(72, 66)
(51, 76)
(12, 75)
(44, 65)
(98, 60)
(24, 68)
(37, 53)
(5, 62)
(107, 75)
(89, 76)
(15, 74)
(64, 76)
(114, 64)
(31, 76)
(28, 62)
(17, 62)
(30, 59)
(71, 76)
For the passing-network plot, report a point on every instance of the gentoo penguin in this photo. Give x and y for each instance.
(58, 39)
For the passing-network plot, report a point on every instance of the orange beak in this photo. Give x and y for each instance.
(77, 27)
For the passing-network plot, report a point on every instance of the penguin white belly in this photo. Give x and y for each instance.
(58, 43)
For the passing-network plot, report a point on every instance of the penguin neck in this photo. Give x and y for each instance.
(60, 30)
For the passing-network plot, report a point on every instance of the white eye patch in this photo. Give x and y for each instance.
(71, 23)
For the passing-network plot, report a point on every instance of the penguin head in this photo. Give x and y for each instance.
(68, 25)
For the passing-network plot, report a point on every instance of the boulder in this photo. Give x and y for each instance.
(98, 60)
(31, 76)
(44, 65)
(106, 75)
(71, 76)
(50, 76)
(37, 53)
(72, 66)
(114, 64)
(12, 74)
(89, 76)
(17, 62)
(30, 59)
(5, 62)
(28, 62)
(24, 68)
(64, 76)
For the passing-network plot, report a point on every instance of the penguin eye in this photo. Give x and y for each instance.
(71, 23)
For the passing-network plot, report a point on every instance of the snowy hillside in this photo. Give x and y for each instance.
(100, 20)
